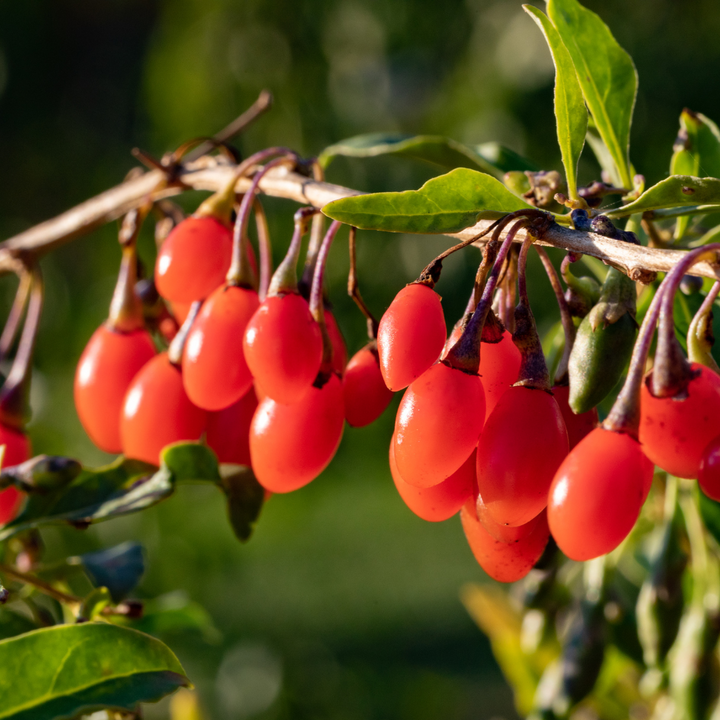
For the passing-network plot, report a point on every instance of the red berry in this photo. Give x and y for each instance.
(157, 412)
(709, 474)
(290, 445)
(214, 370)
(340, 356)
(365, 392)
(578, 426)
(504, 533)
(504, 561)
(108, 364)
(522, 445)
(675, 432)
(438, 424)
(411, 335)
(17, 450)
(228, 430)
(283, 347)
(194, 259)
(441, 501)
(597, 494)
(499, 368)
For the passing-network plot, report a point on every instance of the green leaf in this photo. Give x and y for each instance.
(503, 158)
(94, 603)
(710, 513)
(433, 149)
(570, 112)
(445, 204)
(606, 74)
(118, 568)
(66, 670)
(123, 487)
(674, 191)
(12, 623)
(245, 496)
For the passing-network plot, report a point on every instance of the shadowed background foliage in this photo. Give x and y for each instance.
(343, 605)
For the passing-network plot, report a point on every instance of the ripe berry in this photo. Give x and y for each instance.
(411, 335)
(290, 445)
(674, 432)
(709, 474)
(504, 561)
(441, 501)
(504, 533)
(228, 430)
(110, 361)
(340, 356)
(157, 412)
(499, 367)
(578, 426)
(438, 424)
(194, 259)
(214, 370)
(17, 450)
(366, 395)
(520, 448)
(283, 347)
(597, 493)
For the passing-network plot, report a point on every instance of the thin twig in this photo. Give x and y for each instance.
(39, 584)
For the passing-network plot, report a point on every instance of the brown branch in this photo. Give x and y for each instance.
(213, 173)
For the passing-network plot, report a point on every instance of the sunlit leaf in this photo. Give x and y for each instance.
(445, 204)
(570, 112)
(606, 74)
(66, 670)
(674, 191)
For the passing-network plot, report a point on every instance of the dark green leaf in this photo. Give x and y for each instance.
(434, 149)
(674, 191)
(119, 568)
(606, 74)
(503, 158)
(66, 670)
(570, 112)
(245, 496)
(12, 623)
(445, 204)
(125, 486)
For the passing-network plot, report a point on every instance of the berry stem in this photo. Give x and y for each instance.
(354, 288)
(175, 351)
(12, 324)
(14, 395)
(316, 236)
(265, 247)
(284, 279)
(240, 273)
(561, 374)
(317, 308)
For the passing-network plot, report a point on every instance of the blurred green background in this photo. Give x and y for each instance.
(344, 604)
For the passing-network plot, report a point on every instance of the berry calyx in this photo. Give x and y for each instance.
(157, 411)
(411, 335)
(364, 390)
(290, 445)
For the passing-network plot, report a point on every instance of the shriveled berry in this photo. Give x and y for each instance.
(504, 561)
(441, 501)
(520, 448)
(597, 493)
(578, 426)
(228, 430)
(17, 450)
(108, 364)
(283, 347)
(366, 395)
(674, 432)
(411, 335)
(290, 445)
(214, 370)
(157, 412)
(438, 424)
(194, 259)
(499, 367)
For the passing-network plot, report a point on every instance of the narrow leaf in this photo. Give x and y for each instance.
(674, 191)
(433, 149)
(503, 158)
(570, 112)
(445, 204)
(606, 74)
(67, 670)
